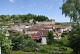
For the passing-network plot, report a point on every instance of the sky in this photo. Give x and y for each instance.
(49, 8)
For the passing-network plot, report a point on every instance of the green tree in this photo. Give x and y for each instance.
(65, 33)
(71, 8)
(50, 38)
(1, 38)
(7, 18)
(74, 40)
(16, 41)
(34, 21)
(1, 20)
(5, 44)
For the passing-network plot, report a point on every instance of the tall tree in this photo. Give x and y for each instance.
(50, 38)
(71, 8)
(74, 40)
(4, 44)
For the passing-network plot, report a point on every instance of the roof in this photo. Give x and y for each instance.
(36, 36)
(44, 32)
(26, 23)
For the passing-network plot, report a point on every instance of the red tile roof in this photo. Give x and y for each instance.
(36, 36)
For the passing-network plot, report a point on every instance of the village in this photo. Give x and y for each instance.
(38, 31)
(33, 34)
(39, 26)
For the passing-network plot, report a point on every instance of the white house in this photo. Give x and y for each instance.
(43, 41)
(67, 28)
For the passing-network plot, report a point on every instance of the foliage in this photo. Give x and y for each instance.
(16, 41)
(5, 44)
(71, 8)
(31, 43)
(1, 38)
(62, 42)
(22, 18)
(63, 23)
(34, 21)
(51, 49)
(65, 33)
(28, 49)
(23, 42)
(21, 52)
(30, 46)
(50, 38)
(74, 40)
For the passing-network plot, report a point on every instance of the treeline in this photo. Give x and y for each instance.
(63, 23)
(22, 18)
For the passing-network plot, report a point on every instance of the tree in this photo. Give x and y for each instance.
(5, 44)
(1, 20)
(16, 41)
(7, 18)
(50, 38)
(74, 40)
(34, 21)
(65, 33)
(22, 18)
(1, 38)
(71, 8)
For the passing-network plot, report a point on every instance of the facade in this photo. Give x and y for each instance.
(67, 28)
(52, 21)
(43, 41)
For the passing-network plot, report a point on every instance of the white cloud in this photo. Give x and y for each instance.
(11, 1)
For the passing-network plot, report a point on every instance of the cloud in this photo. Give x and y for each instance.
(11, 1)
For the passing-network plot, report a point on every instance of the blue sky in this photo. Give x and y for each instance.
(49, 8)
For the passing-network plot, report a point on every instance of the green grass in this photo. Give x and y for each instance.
(21, 52)
(17, 52)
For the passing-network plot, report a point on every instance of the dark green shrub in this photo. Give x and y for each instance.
(28, 49)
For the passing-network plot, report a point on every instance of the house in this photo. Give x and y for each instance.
(66, 28)
(52, 21)
(58, 30)
(37, 33)
(37, 37)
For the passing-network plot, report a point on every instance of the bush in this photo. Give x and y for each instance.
(5, 50)
(31, 43)
(51, 49)
(55, 52)
(28, 49)
(29, 46)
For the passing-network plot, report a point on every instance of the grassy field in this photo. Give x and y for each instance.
(21, 52)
